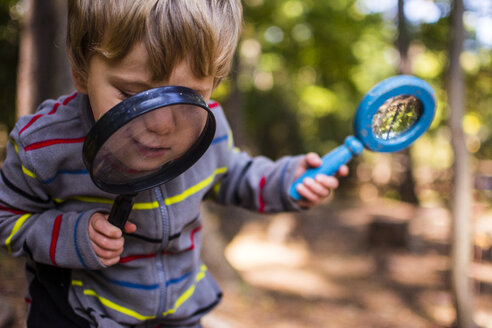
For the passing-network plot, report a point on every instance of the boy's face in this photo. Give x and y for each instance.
(110, 83)
(158, 136)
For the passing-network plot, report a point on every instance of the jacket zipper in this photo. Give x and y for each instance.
(160, 259)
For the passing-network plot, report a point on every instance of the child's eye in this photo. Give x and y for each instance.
(124, 95)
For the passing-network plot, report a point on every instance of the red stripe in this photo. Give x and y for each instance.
(31, 122)
(213, 105)
(192, 246)
(27, 300)
(69, 99)
(47, 143)
(54, 238)
(53, 111)
(130, 258)
(261, 200)
(192, 237)
(11, 210)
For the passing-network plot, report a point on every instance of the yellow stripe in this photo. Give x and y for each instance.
(18, 224)
(77, 283)
(28, 173)
(230, 140)
(196, 188)
(99, 200)
(217, 189)
(15, 145)
(187, 294)
(180, 301)
(146, 206)
(87, 199)
(117, 307)
(155, 204)
(136, 206)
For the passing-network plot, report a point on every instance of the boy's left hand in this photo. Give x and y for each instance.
(314, 191)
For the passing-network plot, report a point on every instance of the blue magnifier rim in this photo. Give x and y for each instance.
(372, 101)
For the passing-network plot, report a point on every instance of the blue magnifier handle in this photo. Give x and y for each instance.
(331, 162)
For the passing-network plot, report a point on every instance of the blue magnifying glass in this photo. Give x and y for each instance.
(390, 117)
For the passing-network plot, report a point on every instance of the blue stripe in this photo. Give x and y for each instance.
(75, 242)
(75, 172)
(130, 284)
(220, 139)
(176, 280)
(141, 286)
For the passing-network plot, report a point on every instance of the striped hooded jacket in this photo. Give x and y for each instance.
(47, 198)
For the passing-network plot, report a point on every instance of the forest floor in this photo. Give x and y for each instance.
(323, 268)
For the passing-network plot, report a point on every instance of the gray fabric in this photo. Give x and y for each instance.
(47, 198)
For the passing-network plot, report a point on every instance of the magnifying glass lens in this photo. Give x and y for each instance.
(396, 116)
(144, 145)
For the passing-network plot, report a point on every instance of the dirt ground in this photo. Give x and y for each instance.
(322, 268)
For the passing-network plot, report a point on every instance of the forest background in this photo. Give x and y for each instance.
(300, 70)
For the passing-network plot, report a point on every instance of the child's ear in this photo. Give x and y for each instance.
(79, 82)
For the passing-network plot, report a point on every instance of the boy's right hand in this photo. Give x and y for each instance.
(106, 239)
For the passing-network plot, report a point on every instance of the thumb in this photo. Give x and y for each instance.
(129, 227)
(310, 160)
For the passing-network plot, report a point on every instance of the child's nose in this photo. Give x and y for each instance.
(160, 121)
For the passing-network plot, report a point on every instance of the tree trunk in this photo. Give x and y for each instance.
(462, 183)
(406, 187)
(403, 40)
(233, 105)
(44, 71)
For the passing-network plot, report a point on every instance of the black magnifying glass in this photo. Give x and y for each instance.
(145, 141)
(390, 117)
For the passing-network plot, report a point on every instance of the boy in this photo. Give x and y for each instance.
(82, 271)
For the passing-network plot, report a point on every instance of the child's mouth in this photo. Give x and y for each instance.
(150, 151)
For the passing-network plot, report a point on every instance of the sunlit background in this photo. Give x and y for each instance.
(303, 67)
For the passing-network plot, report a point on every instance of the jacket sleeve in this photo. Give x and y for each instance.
(258, 183)
(255, 183)
(31, 224)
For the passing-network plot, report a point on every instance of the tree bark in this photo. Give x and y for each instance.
(403, 40)
(233, 105)
(406, 187)
(43, 71)
(462, 181)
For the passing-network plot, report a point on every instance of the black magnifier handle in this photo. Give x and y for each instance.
(121, 210)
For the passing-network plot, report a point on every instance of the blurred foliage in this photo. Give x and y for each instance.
(305, 65)
(299, 71)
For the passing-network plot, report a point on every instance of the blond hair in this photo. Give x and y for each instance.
(204, 32)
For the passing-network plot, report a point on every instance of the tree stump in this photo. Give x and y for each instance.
(388, 232)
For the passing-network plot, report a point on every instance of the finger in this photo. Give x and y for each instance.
(108, 244)
(102, 226)
(318, 188)
(106, 254)
(313, 160)
(129, 227)
(327, 181)
(343, 171)
(110, 262)
(307, 193)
